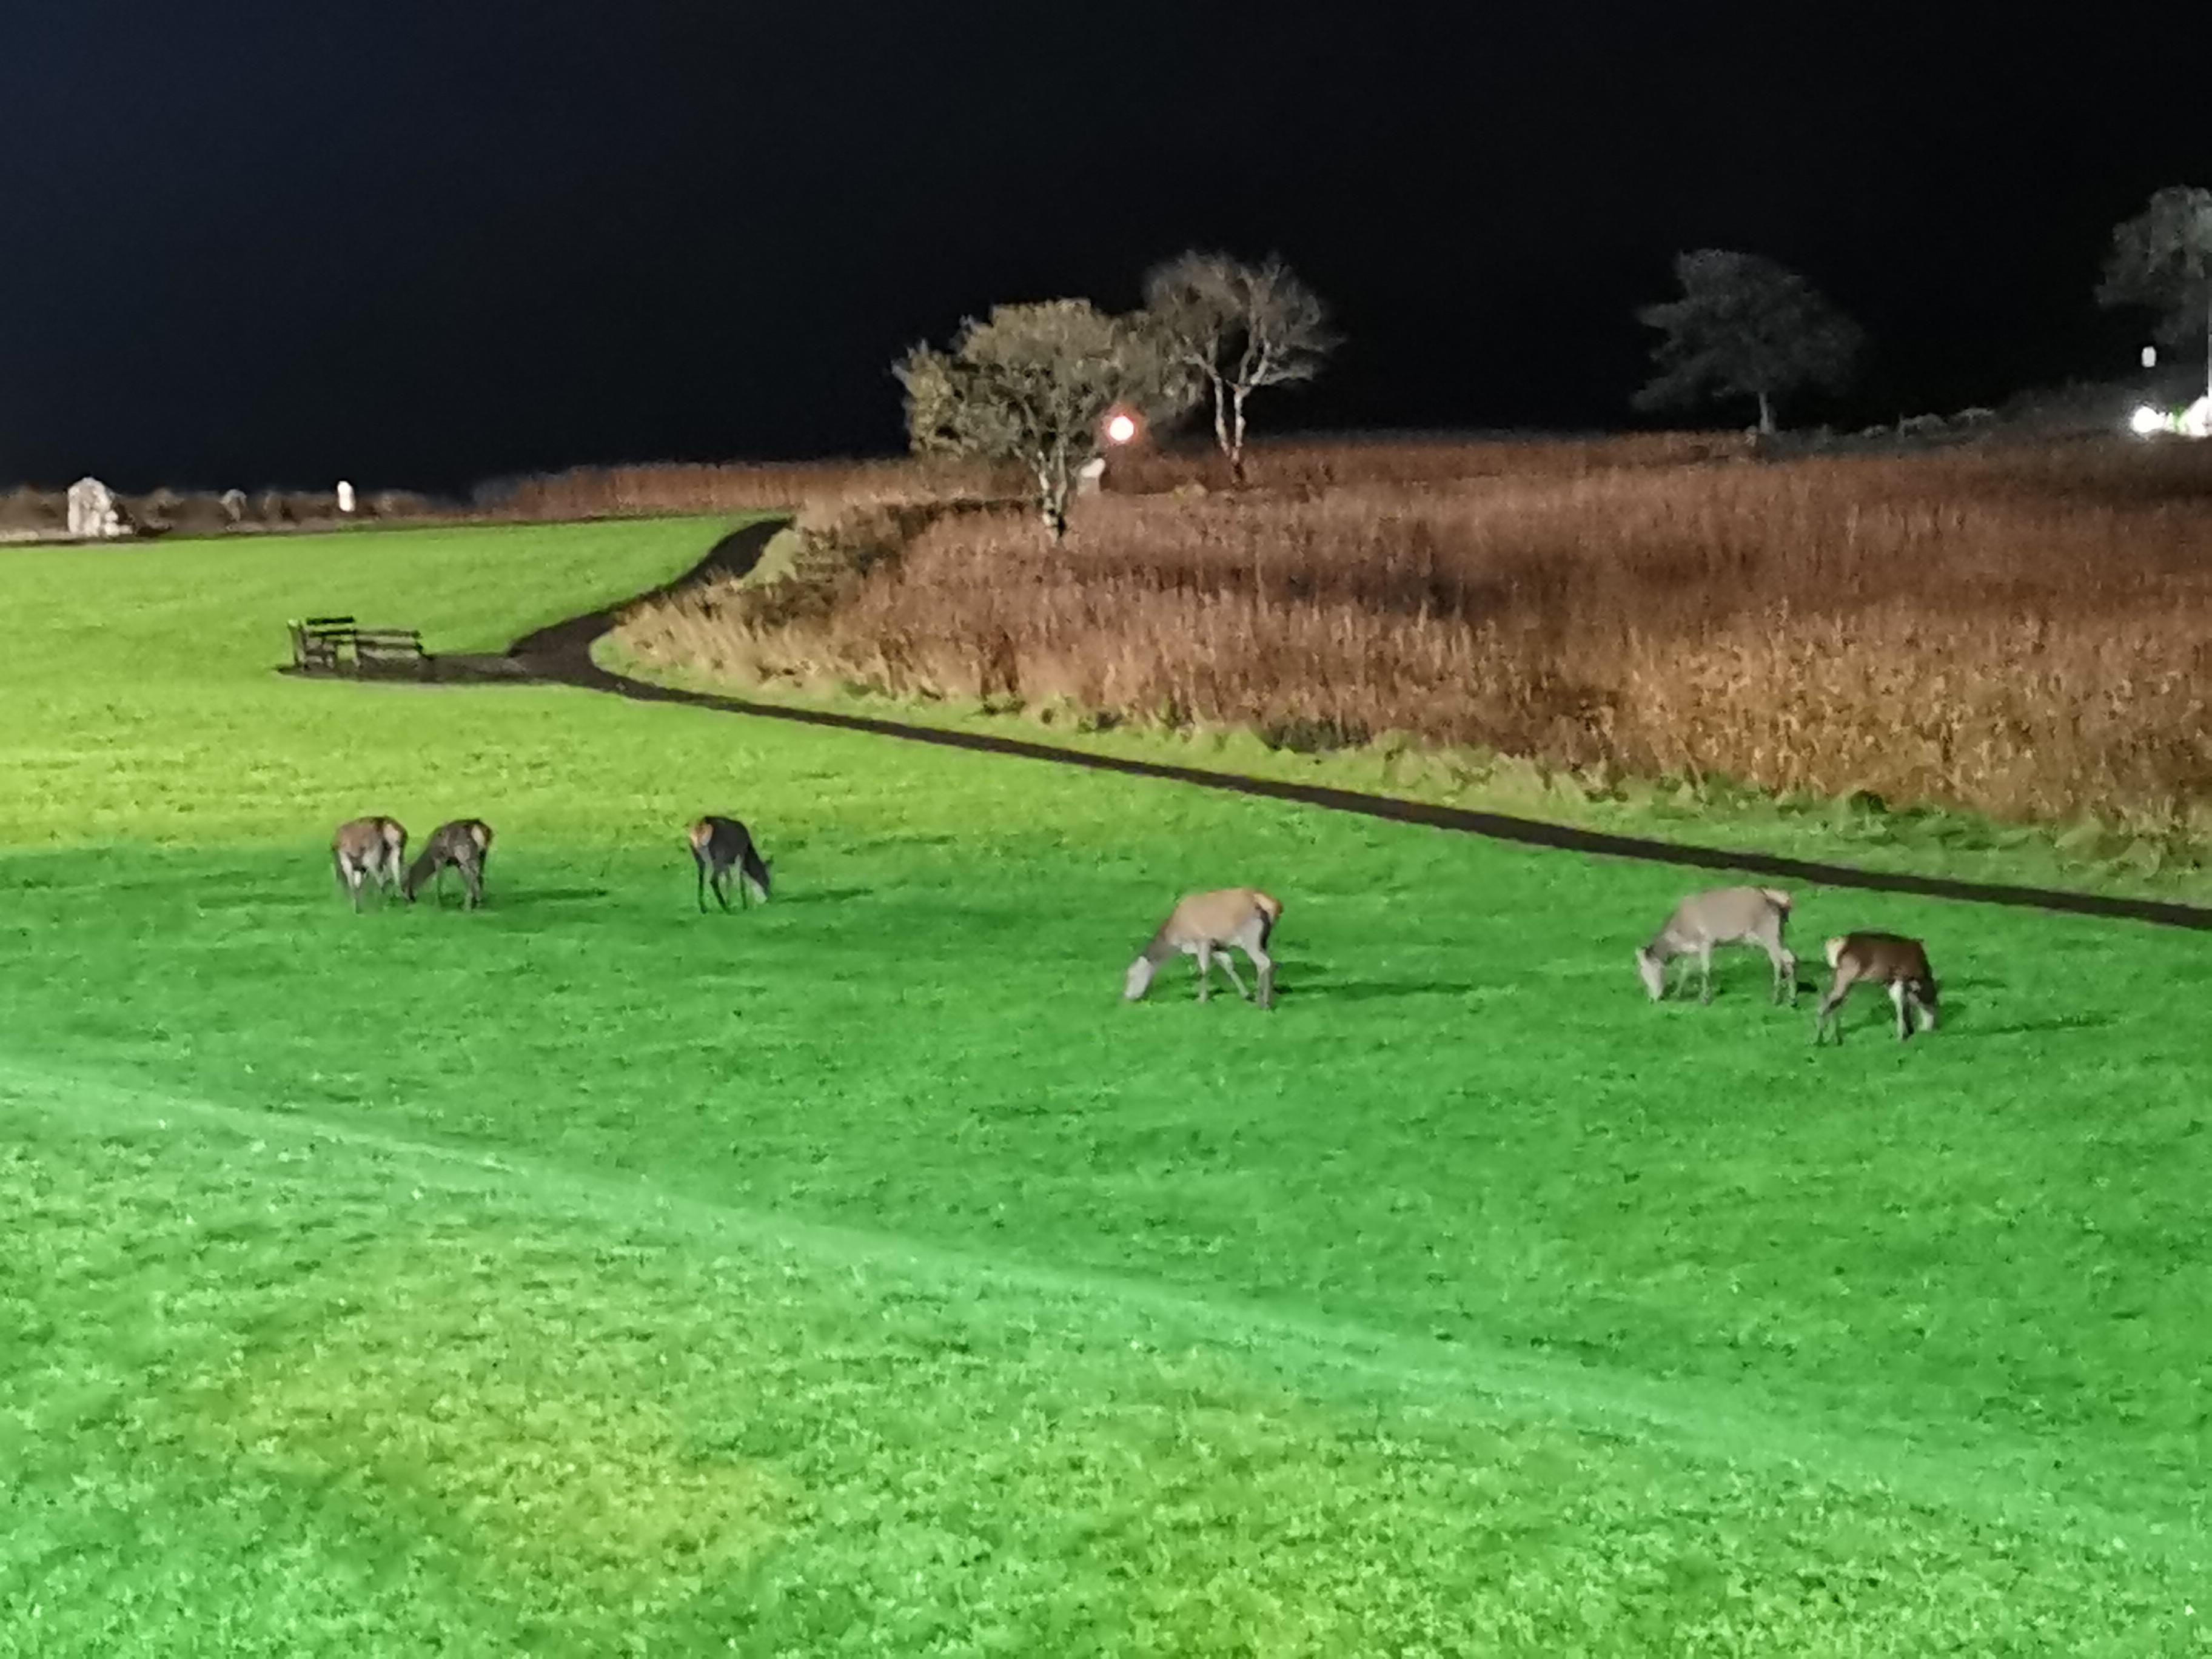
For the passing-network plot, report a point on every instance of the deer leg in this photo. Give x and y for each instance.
(1785, 967)
(353, 888)
(699, 869)
(721, 886)
(1898, 996)
(1264, 965)
(1838, 989)
(473, 879)
(1205, 972)
(1706, 972)
(1924, 1010)
(1229, 967)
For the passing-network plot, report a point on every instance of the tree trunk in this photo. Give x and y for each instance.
(1221, 422)
(2208, 342)
(1053, 485)
(1766, 415)
(1237, 438)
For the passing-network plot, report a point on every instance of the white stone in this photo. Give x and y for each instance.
(92, 510)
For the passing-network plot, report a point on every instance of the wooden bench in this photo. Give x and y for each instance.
(338, 644)
(388, 648)
(319, 644)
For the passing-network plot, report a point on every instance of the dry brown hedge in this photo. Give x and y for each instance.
(2024, 632)
(740, 486)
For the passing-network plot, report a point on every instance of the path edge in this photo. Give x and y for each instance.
(561, 655)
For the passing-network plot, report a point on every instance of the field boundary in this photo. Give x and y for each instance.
(561, 655)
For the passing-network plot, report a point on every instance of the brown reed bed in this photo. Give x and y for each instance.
(1307, 467)
(2022, 632)
(743, 486)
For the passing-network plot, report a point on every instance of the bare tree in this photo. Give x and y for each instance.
(1036, 384)
(1745, 327)
(1238, 327)
(2162, 259)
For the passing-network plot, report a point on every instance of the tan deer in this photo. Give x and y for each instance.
(1206, 926)
(462, 845)
(720, 846)
(1725, 915)
(368, 850)
(1896, 964)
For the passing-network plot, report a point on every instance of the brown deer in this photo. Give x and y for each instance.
(367, 850)
(721, 846)
(1206, 925)
(462, 845)
(1725, 915)
(1896, 964)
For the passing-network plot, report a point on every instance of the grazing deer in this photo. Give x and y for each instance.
(1900, 964)
(720, 846)
(1725, 915)
(462, 845)
(368, 850)
(1206, 925)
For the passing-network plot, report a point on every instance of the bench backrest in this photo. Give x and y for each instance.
(320, 642)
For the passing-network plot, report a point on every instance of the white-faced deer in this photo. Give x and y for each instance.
(462, 845)
(1898, 964)
(368, 850)
(1725, 915)
(721, 847)
(1206, 925)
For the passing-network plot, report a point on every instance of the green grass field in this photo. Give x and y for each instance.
(859, 1275)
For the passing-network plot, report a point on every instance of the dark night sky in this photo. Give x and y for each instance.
(414, 243)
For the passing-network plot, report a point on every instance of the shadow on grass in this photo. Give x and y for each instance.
(2030, 1027)
(1367, 990)
(529, 897)
(281, 903)
(820, 894)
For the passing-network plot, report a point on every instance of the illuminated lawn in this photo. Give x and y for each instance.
(858, 1274)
